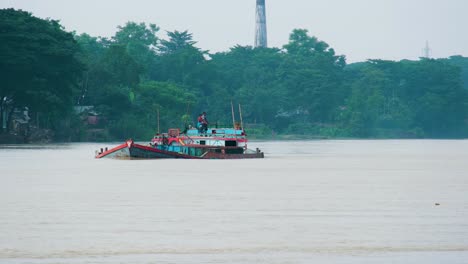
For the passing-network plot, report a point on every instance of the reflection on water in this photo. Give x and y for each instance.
(319, 201)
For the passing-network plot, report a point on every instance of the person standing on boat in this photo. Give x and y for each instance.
(199, 123)
(202, 123)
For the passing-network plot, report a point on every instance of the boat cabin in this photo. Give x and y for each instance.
(214, 137)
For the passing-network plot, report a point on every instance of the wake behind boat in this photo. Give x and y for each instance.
(212, 143)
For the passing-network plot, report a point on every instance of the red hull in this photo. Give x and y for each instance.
(130, 150)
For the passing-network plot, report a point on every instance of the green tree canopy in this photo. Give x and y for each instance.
(38, 62)
(302, 88)
(139, 40)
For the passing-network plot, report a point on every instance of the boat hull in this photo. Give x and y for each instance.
(131, 150)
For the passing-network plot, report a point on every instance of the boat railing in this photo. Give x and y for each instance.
(208, 136)
(218, 133)
(191, 139)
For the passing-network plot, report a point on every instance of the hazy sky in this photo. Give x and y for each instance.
(359, 29)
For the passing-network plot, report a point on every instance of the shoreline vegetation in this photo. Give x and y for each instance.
(59, 86)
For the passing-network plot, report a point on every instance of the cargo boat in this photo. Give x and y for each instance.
(215, 143)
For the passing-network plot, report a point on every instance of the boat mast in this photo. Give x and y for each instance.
(158, 119)
(240, 114)
(233, 118)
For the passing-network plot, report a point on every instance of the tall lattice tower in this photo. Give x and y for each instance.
(261, 27)
(427, 51)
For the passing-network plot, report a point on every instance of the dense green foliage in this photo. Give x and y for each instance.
(38, 67)
(407, 98)
(302, 89)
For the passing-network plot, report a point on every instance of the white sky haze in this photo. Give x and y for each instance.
(359, 29)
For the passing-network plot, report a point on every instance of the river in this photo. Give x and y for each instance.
(382, 201)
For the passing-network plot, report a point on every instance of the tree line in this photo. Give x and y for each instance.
(136, 77)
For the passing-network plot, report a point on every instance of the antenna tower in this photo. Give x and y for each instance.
(427, 51)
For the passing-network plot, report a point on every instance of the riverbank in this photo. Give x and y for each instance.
(32, 136)
(14, 139)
